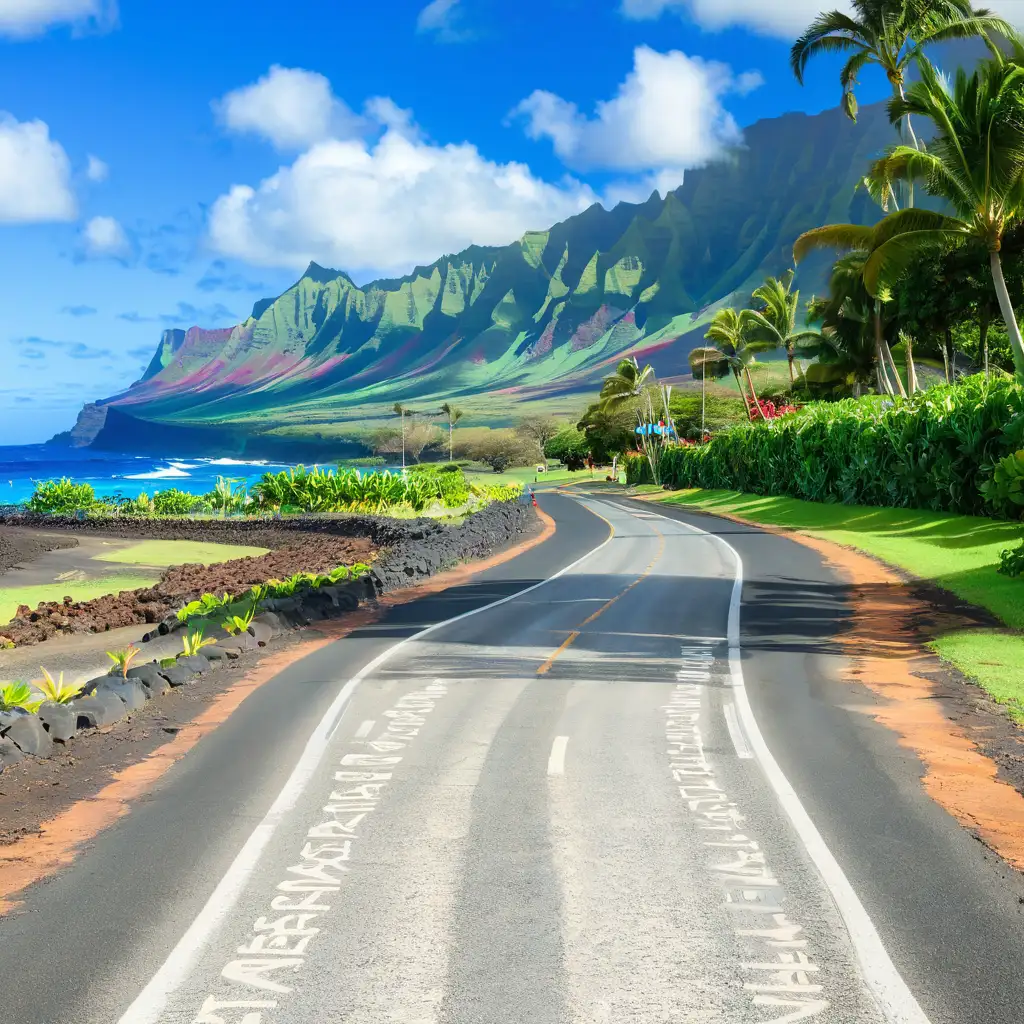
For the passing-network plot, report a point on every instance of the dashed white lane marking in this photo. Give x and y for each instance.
(149, 1004)
(739, 741)
(365, 729)
(891, 992)
(556, 762)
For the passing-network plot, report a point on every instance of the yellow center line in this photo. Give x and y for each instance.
(546, 667)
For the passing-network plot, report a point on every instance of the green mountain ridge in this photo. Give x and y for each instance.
(539, 321)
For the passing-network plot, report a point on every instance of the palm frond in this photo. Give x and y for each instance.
(887, 264)
(832, 236)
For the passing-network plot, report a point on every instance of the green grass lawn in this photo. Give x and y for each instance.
(527, 475)
(958, 553)
(79, 590)
(178, 552)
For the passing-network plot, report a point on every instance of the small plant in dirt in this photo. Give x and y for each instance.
(194, 642)
(123, 658)
(56, 690)
(17, 695)
(237, 624)
(6, 644)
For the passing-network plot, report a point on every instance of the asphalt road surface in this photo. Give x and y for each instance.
(616, 779)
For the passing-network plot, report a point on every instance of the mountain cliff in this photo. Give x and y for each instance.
(536, 321)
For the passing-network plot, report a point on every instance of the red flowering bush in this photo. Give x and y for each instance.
(769, 409)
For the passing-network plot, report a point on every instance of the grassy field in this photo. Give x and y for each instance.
(178, 552)
(79, 590)
(151, 556)
(527, 475)
(957, 553)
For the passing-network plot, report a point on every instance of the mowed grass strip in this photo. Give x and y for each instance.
(164, 553)
(79, 590)
(958, 553)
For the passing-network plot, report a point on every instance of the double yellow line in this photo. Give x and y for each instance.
(574, 635)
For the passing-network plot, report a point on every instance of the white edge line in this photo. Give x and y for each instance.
(152, 1000)
(556, 762)
(739, 741)
(891, 992)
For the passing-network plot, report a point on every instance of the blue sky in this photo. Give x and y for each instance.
(167, 164)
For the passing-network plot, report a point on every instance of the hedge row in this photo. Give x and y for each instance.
(934, 451)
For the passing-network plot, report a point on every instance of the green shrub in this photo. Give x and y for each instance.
(61, 497)
(173, 502)
(570, 447)
(937, 450)
(320, 490)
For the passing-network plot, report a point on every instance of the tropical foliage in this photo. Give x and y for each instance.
(937, 450)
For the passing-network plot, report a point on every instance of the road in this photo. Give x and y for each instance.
(616, 779)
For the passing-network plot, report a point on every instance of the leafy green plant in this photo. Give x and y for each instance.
(1006, 487)
(123, 658)
(935, 451)
(17, 694)
(61, 497)
(168, 662)
(56, 691)
(206, 606)
(194, 642)
(236, 624)
(173, 502)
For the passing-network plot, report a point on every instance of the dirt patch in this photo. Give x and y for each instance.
(20, 546)
(181, 584)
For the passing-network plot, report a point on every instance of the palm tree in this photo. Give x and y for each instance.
(975, 164)
(846, 347)
(627, 382)
(730, 334)
(401, 410)
(863, 242)
(776, 323)
(454, 414)
(891, 34)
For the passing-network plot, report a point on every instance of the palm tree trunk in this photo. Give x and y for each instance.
(1009, 317)
(885, 359)
(753, 393)
(909, 130)
(908, 347)
(789, 356)
(451, 441)
(947, 353)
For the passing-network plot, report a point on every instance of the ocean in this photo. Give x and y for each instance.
(130, 475)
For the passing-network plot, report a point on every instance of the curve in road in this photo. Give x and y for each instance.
(609, 780)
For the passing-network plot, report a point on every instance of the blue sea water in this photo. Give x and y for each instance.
(130, 475)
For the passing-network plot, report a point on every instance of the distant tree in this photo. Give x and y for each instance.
(570, 447)
(420, 435)
(453, 414)
(538, 430)
(609, 432)
(774, 318)
(499, 449)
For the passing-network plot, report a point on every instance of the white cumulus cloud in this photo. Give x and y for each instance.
(25, 18)
(35, 174)
(382, 208)
(290, 107)
(96, 169)
(442, 17)
(104, 237)
(668, 116)
(784, 18)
